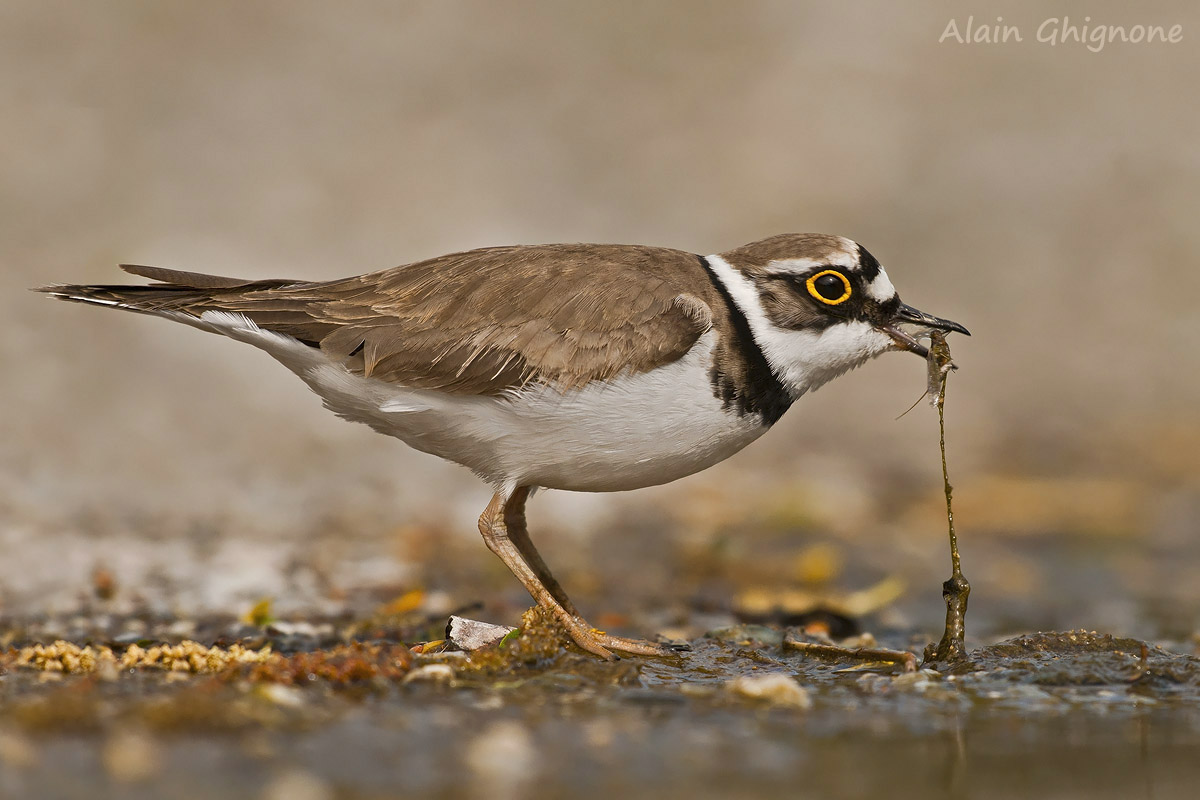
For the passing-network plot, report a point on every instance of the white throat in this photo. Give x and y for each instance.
(802, 360)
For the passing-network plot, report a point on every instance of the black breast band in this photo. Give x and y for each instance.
(755, 389)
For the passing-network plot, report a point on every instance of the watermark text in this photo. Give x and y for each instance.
(1054, 31)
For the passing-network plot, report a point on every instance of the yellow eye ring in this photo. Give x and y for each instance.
(811, 283)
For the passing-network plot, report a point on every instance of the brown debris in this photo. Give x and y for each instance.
(187, 656)
(538, 641)
(344, 664)
(339, 665)
(863, 654)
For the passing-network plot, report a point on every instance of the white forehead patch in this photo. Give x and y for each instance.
(881, 288)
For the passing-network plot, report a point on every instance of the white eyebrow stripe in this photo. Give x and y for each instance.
(791, 266)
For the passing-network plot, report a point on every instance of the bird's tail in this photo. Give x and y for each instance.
(175, 291)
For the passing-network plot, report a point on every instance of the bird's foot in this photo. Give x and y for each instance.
(641, 647)
(602, 644)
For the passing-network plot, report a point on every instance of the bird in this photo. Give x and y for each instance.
(579, 367)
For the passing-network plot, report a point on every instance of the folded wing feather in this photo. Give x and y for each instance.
(480, 322)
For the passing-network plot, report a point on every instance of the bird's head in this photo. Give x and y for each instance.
(819, 305)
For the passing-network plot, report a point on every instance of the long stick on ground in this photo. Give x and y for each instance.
(955, 591)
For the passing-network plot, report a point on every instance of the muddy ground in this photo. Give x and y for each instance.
(367, 704)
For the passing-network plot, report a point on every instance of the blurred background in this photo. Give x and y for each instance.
(1046, 197)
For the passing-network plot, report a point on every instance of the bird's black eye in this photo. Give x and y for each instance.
(830, 287)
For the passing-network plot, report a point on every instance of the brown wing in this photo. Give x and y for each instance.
(483, 321)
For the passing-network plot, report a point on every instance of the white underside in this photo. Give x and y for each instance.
(637, 430)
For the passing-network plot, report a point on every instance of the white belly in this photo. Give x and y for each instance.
(638, 430)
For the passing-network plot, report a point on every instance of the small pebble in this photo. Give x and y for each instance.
(280, 695)
(181, 629)
(292, 628)
(776, 688)
(471, 634)
(434, 673)
(919, 680)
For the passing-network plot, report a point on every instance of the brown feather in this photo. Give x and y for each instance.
(480, 322)
(194, 280)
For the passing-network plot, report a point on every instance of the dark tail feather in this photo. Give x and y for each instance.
(147, 299)
(186, 296)
(178, 291)
(194, 280)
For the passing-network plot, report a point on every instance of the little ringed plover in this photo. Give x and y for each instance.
(585, 367)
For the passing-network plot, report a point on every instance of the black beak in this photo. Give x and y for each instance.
(906, 314)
